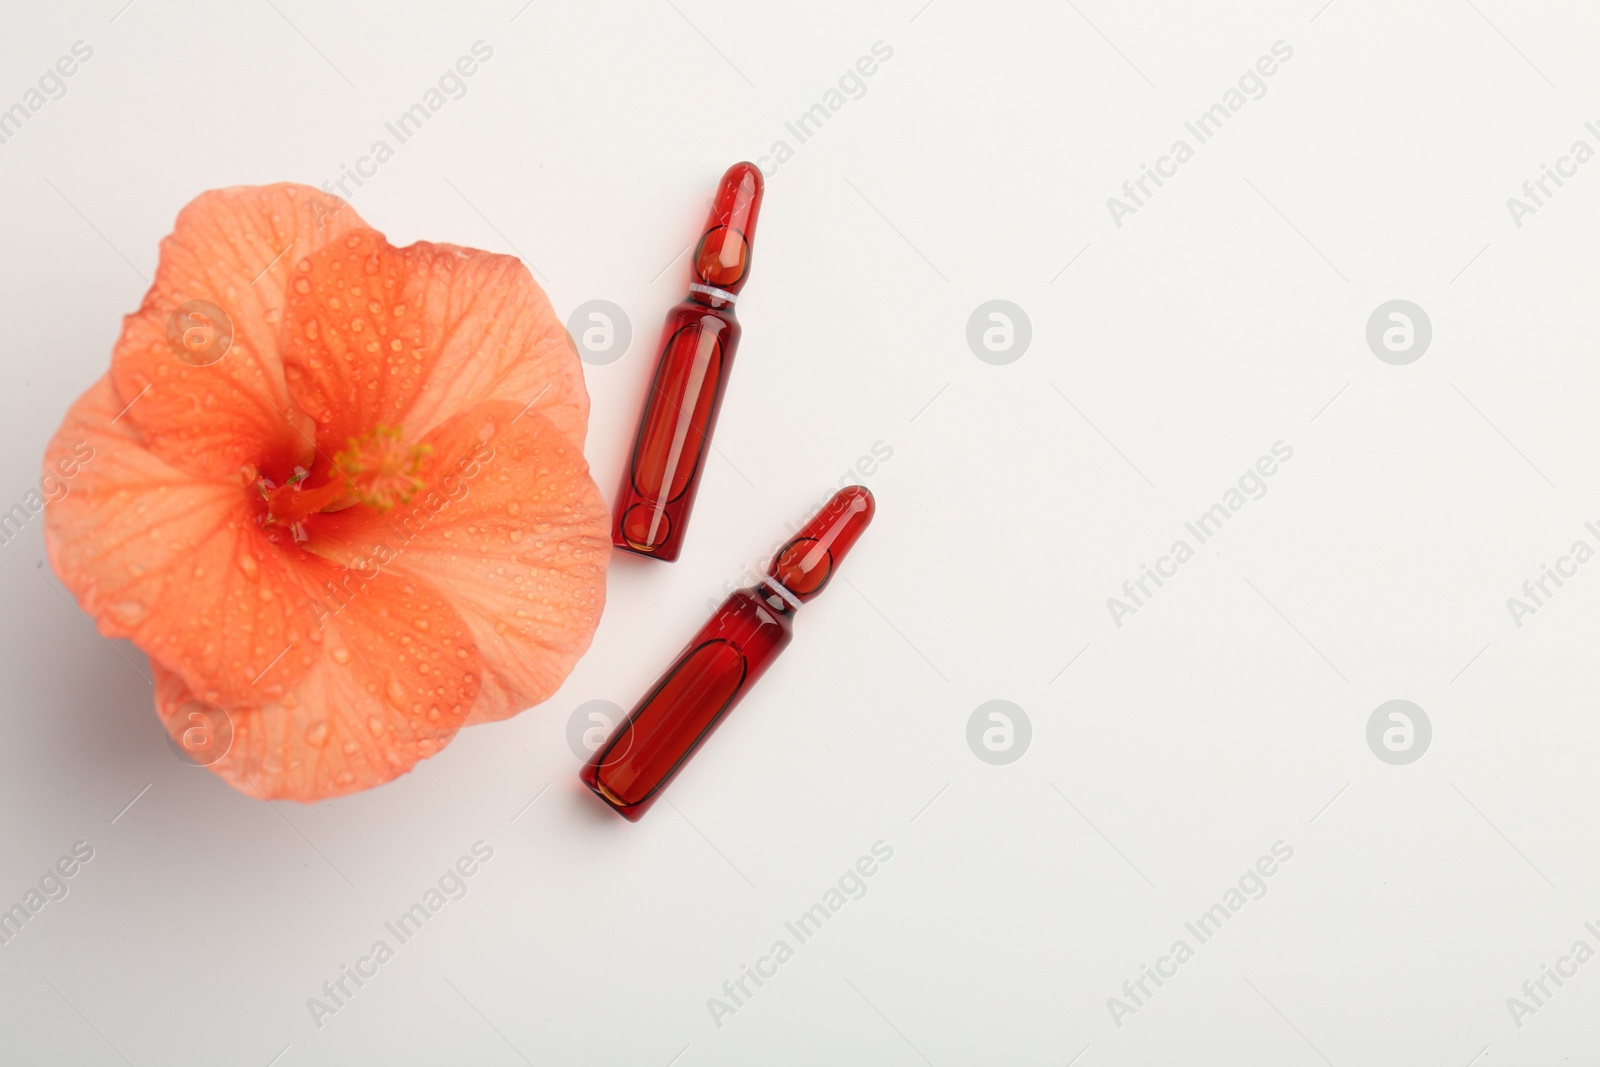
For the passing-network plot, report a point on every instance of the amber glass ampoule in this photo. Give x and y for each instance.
(698, 343)
(722, 662)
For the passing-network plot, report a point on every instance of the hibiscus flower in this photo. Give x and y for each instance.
(338, 492)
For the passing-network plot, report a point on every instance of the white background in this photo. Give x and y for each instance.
(1230, 713)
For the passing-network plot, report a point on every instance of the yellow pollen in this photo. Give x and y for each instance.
(382, 471)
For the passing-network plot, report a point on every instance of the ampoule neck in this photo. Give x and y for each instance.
(774, 597)
(706, 296)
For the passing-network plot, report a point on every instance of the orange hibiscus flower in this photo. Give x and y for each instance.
(338, 492)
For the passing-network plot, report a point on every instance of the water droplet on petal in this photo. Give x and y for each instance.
(129, 612)
(317, 735)
(376, 724)
(341, 655)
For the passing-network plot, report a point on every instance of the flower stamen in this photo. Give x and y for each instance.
(380, 471)
(377, 470)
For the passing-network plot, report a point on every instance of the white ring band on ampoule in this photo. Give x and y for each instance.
(711, 290)
(777, 587)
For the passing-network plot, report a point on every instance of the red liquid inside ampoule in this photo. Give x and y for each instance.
(720, 664)
(680, 412)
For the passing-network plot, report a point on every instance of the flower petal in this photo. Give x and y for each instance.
(514, 535)
(174, 562)
(381, 336)
(393, 677)
(236, 249)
